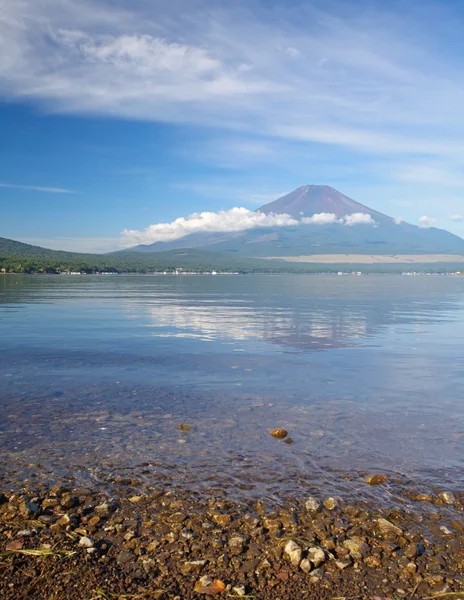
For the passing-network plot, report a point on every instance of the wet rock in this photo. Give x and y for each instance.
(103, 509)
(447, 497)
(387, 528)
(184, 427)
(48, 519)
(237, 543)
(50, 503)
(377, 479)
(279, 433)
(135, 499)
(86, 542)
(330, 503)
(356, 547)
(312, 504)
(316, 556)
(293, 551)
(413, 550)
(221, 519)
(69, 501)
(29, 509)
(177, 517)
(205, 585)
(445, 530)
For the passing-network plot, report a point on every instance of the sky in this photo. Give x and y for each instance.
(117, 116)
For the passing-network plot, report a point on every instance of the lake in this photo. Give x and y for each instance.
(366, 374)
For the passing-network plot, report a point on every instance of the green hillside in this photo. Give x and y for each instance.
(16, 257)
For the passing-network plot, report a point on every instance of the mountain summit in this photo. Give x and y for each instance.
(341, 226)
(309, 200)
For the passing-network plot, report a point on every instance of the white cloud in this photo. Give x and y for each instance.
(321, 219)
(426, 222)
(399, 220)
(457, 218)
(359, 219)
(37, 188)
(235, 219)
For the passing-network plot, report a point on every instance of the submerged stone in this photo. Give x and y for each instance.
(279, 433)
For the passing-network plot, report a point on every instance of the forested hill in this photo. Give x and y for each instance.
(16, 257)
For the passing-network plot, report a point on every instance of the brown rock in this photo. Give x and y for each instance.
(387, 528)
(278, 433)
(205, 585)
(377, 479)
(184, 427)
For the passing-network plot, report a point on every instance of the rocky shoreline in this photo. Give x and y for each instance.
(57, 542)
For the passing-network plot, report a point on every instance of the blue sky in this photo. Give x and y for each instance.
(117, 115)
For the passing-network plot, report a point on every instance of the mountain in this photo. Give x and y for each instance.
(386, 236)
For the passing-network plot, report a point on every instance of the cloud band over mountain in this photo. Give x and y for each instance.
(235, 219)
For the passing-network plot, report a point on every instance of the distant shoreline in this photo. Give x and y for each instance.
(370, 259)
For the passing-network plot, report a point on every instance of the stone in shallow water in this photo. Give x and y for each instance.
(312, 504)
(184, 427)
(330, 503)
(377, 479)
(448, 497)
(279, 433)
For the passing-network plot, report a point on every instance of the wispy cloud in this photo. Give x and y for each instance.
(368, 81)
(426, 222)
(36, 188)
(457, 218)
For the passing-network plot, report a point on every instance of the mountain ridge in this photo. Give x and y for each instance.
(385, 236)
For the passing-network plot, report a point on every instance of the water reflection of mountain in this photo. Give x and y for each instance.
(295, 327)
(312, 313)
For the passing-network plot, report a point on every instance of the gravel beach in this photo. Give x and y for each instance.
(57, 542)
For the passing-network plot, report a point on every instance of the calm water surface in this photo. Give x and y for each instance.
(366, 373)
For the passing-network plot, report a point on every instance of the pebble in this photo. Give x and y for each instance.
(239, 590)
(316, 556)
(86, 542)
(205, 585)
(386, 527)
(184, 427)
(293, 551)
(279, 433)
(330, 503)
(312, 504)
(448, 497)
(377, 479)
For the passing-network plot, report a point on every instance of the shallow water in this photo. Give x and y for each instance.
(366, 373)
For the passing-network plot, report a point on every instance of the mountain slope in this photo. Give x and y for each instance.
(385, 237)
